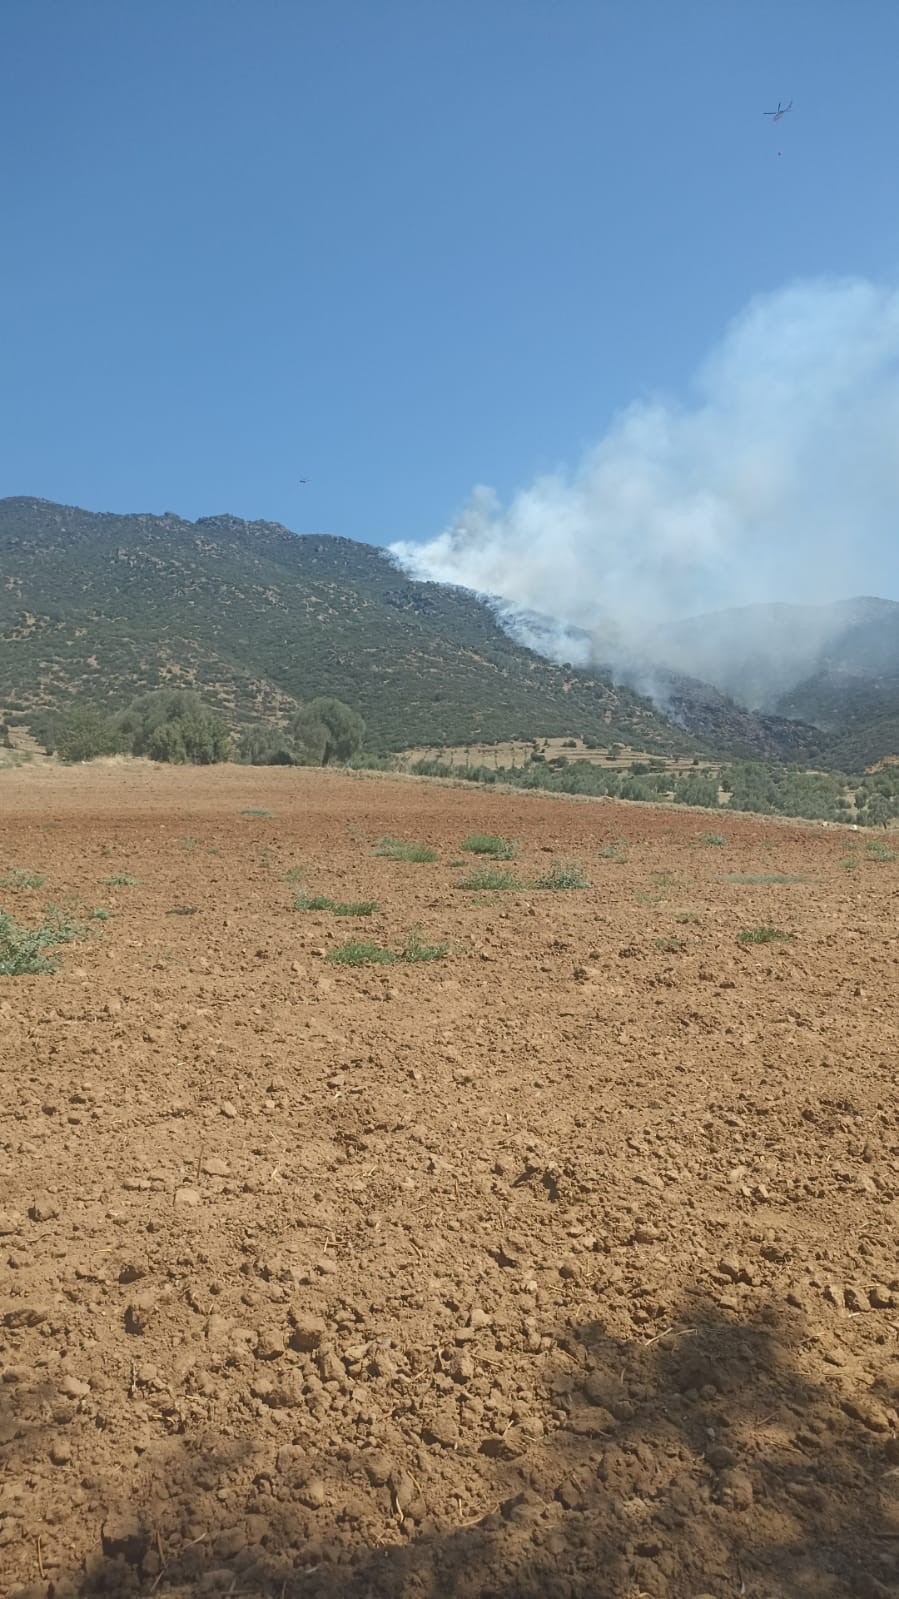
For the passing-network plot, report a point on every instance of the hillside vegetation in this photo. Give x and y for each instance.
(100, 608)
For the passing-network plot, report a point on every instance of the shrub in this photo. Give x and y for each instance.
(564, 874)
(266, 746)
(487, 877)
(502, 849)
(312, 902)
(616, 852)
(21, 878)
(401, 849)
(415, 950)
(364, 907)
(764, 935)
(359, 953)
(23, 950)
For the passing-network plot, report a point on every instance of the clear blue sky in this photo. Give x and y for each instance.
(403, 246)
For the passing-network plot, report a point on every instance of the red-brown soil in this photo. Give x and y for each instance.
(565, 1265)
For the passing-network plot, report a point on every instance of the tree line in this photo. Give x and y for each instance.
(176, 726)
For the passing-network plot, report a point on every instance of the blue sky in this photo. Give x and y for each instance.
(405, 247)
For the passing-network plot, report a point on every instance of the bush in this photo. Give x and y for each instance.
(502, 849)
(23, 950)
(414, 950)
(266, 746)
(173, 725)
(359, 953)
(764, 935)
(84, 734)
(564, 874)
(326, 730)
(487, 877)
(401, 849)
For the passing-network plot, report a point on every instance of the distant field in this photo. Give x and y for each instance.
(518, 754)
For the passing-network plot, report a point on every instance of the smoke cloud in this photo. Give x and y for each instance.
(777, 479)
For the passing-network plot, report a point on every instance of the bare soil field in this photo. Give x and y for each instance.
(563, 1263)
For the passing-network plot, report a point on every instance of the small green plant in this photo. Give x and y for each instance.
(99, 915)
(121, 880)
(616, 852)
(686, 918)
(357, 952)
(564, 874)
(716, 839)
(765, 935)
(183, 910)
(502, 849)
(312, 902)
(294, 874)
(489, 877)
(252, 811)
(362, 907)
(23, 950)
(415, 950)
(189, 843)
(21, 878)
(673, 946)
(878, 851)
(849, 863)
(361, 952)
(402, 849)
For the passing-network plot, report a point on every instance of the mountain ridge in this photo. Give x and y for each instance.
(100, 605)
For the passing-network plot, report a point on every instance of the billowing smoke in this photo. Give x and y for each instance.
(777, 480)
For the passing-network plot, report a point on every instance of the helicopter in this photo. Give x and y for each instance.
(780, 112)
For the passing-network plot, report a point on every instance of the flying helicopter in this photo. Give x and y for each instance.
(303, 480)
(780, 112)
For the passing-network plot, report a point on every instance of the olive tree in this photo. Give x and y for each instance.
(326, 730)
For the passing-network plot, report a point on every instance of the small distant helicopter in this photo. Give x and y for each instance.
(780, 112)
(303, 480)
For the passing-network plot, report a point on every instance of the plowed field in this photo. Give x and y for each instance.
(563, 1263)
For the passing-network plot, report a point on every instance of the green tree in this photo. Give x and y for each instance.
(266, 746)
(175, 725)
(879, 810)
(326, 730)
(84, 734)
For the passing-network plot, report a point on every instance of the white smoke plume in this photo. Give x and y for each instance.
(777, 480)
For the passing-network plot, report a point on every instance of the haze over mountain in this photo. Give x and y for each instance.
(769, 657)
(100, 607)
